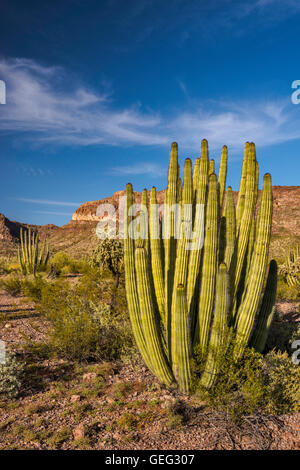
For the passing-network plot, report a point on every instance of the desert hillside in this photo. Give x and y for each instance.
(79, 237)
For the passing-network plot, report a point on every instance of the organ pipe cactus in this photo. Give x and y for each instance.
(200, 279)
(32, 260)
(291, 267)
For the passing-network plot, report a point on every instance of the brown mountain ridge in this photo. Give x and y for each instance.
(79, 235)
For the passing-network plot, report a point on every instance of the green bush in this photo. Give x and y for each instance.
(256, 383)
(11, 374)
(82, 326)
(282, 379)
(32, 288)
(12, 284)
(287, 292)
(64, 264)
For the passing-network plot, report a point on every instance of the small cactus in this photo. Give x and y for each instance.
(31, 260)
(291, 267)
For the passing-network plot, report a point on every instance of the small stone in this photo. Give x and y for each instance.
(79, 432)
(75, 398)
(89, 376)
(110, 399)
(7, 325)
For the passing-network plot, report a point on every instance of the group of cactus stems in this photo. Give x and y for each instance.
(291, 267)
(32, 260)
(201, 276)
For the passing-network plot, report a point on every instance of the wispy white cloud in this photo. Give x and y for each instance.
(54, 213)
(138, 169)
(39, 108)
(37, 103)
(48, 202)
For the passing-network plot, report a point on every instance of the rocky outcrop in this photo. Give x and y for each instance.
(9, 230)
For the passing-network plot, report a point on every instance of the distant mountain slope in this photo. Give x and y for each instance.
(78, 237)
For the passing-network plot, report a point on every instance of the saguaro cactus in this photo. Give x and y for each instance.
(202, 275)
(30, 259)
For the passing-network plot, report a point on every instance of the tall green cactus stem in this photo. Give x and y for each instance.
(183, 347)
(247, 310)
(196, 174)
(130, 281)
(198, 234)
(218, 338)
(229, 213)
(246, 220)
(156, 259)
(182, 255)
(169, 219)
(211, 167)
(267, 310)
(209, 267)
(149, 324)
(242, 190)
(222, 174)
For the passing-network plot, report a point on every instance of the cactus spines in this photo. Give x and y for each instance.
(267, 310)
(242, 190)
(156, 261)
(248, 308)
(130, 280)
(209, 266)
(218, 336)
(211, 167)
(148, 321)
(182, 255)
(183, 346)
(169, 221)
(198, 232)
(202, 284)
(222, 174)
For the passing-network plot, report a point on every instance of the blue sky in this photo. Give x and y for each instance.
(96, 91)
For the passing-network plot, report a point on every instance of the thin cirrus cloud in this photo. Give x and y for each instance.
(137, 169)
(39, 109)
(48, 202)
(53, 213)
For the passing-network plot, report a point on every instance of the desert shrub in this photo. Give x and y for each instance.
(256, 383)
(12, 284)
(239, 388)
(282, 378)
(64, 264)
(282, 334)
(82, 326)
(32, 288)
(287, 292)
(9, 264)
(11, 374)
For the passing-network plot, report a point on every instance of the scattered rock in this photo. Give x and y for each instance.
(79, 432)
(89, 376)
(75, 398)
(7, 325)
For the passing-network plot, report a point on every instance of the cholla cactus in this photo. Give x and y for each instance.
(109, 254)
(32, 260)
(291, 268)
(200, 278)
